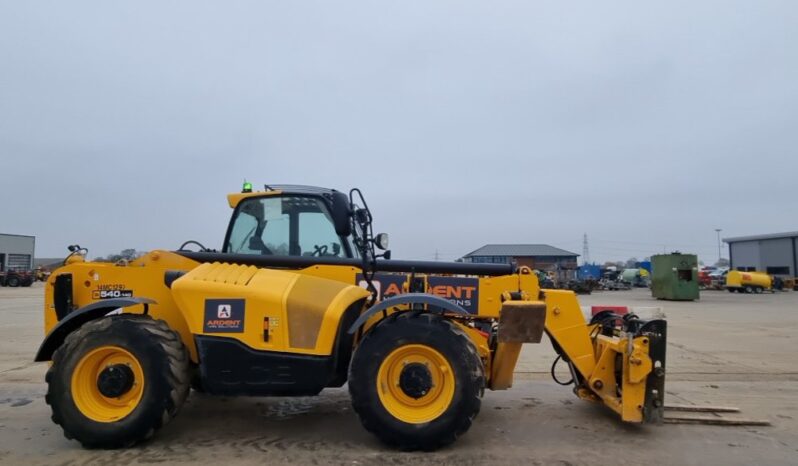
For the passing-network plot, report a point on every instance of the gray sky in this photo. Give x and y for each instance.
(645, 125)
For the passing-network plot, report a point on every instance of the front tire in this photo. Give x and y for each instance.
(416, 381)
(13, 282)
(117, 380)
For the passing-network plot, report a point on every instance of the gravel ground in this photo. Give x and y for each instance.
(726, 349)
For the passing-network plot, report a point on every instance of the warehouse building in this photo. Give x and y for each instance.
(776, 254)
(16, 252)
(534, 256)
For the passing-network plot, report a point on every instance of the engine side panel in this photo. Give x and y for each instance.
(265, 309)
(306, 306)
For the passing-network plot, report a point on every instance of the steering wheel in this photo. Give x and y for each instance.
(319, 250)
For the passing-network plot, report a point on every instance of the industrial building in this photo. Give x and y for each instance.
(535, 256)
(776, 254)
(16, 252)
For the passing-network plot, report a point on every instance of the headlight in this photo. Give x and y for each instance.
(381, 241)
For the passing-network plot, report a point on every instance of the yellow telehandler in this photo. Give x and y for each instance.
(302, 297)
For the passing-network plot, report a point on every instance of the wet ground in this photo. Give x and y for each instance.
(726, 349)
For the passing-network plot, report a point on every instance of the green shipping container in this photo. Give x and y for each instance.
(674, 276)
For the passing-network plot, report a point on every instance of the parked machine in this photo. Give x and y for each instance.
(15, 278)
(717, 279)
(638, 278)
(704, 279)
(40, 274)
(612, 280)
(278, 312)
(748, 282)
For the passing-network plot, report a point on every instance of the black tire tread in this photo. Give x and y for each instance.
(463, 420)
(178, 378)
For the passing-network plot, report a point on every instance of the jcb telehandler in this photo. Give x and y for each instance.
(299, 300)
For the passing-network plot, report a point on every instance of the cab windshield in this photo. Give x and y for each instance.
(284, 226)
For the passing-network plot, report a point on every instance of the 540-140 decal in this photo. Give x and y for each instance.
(111, 291)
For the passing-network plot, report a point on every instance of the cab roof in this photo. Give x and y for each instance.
(275, 189)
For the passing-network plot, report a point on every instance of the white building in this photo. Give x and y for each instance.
(16, 252)
(776, 254)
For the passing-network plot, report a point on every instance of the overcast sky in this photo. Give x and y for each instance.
(645, 125)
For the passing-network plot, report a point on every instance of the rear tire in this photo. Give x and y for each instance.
(152, 390)
(416, 381)
(12, 282)
(758, 289)
(749, 289)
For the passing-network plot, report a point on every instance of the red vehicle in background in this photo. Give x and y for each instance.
(14, 278)
(704, 279)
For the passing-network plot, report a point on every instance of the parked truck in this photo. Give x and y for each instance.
(15, 278)
(748, 282)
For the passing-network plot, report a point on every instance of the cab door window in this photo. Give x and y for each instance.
(317, 235)
(284, 226)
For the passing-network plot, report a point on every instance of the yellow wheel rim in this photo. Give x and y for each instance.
(437, 396)
(86, 393)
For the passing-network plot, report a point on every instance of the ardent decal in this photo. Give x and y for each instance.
(462, 291)
(224, 316)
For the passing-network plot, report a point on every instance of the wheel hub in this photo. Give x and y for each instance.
(115, 380)
(415, 380)
(415, 383)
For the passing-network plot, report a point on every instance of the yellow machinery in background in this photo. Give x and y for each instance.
(748, 282)
(298, 300)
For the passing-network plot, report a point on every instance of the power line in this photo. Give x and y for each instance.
(654, 243)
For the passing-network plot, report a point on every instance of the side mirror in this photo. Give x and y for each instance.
(381, 241)
(341, 212)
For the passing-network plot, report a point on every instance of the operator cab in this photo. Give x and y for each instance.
(291, 221)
